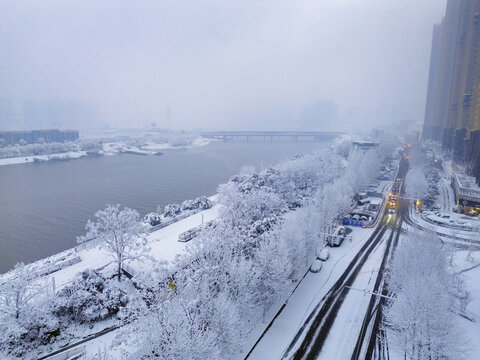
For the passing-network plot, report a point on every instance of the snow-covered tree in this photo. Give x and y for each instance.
(25, 313)
(271, 271)
(343, 146)
(152, 218)
(420, 311)
(299, 232)
(240, 266)
(363, 167)
(198, 317)
(171, 210)
(19, 291)
(101, 354)
(120, 232)
(326, 205)
(89, 297)
(202, 203)
(242, 209)
(416, 183)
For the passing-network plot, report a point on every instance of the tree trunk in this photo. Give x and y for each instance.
(119, 273)
(17, 305)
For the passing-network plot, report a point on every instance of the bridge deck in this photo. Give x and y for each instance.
(269, 134)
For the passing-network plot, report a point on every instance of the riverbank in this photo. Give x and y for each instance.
(163, 247)
(163, 243)
(39, 158)
(108, 149)
(46, 206)
(148, 148)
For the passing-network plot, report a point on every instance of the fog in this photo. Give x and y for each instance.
(214, 64)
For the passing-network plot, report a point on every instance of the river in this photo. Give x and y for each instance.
(44, 206)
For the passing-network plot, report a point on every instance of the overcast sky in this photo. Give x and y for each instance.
(220, 64)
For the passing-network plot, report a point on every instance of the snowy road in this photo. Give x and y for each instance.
(461, 239)
(306, 299)
(356, 268)
(344, 321)
(349, 321)
(336, 323)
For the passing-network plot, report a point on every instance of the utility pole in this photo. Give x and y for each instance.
(168, 115)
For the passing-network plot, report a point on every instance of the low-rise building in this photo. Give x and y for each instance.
(467, 192)
(30, 137)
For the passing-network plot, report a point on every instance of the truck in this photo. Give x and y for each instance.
(337, 237)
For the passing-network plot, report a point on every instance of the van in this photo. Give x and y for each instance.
(337, 237)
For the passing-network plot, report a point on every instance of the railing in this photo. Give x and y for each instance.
(175, 219)
(58, 266)
(72, 354)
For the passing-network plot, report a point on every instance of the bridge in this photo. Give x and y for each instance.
(270, 135)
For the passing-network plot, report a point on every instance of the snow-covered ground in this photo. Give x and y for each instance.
(343, 334)
(446, 198)
(164, 246)
(446, 231)
(451, 219)
(471, 278)
(440, 222)
(149, 148)
(470, 272)
(308, 294)
(163, 243)
(109, 147)
(28, 159)
(448, 225)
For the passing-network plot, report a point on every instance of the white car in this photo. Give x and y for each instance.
(316, 266)
(324, 254)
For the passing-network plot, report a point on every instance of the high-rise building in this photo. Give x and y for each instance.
(452, 112)
(441, 74)
(432, 106)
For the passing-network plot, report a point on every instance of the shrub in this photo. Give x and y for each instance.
(90, 297)
(171, 210)
(153, 218)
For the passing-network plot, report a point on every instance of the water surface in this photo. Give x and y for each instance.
(44, 206)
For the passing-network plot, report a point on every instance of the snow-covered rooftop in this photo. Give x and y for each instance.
(466, 185)
(467, 181)
(375, 201)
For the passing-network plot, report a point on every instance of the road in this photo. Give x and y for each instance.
(313, 336)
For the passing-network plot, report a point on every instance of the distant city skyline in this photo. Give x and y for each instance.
(219, 65)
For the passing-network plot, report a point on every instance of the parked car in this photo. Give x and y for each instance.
(324, 254)
(316, 266)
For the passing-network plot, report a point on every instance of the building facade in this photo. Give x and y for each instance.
(452, 112)
(30, 137)
(467, 193)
